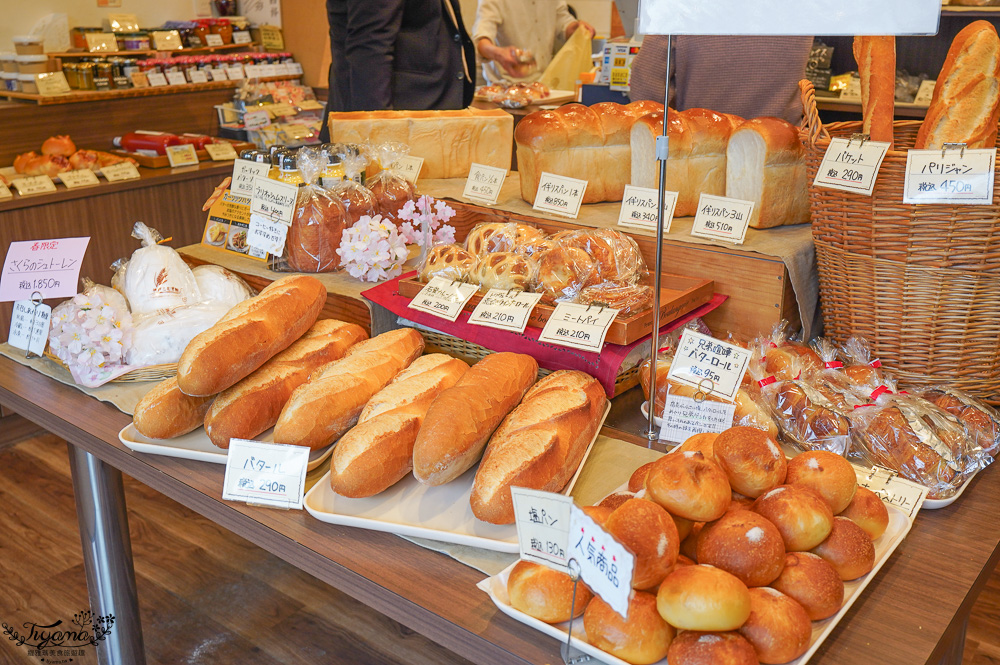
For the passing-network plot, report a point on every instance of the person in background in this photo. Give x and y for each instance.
(747, 76)
(506, 29)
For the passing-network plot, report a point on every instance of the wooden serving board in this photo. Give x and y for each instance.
(678, 296)
(161, 161)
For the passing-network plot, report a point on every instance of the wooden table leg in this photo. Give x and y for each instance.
(953, 656)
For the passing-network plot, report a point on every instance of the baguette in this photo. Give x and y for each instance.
(252, 406)
(250, 334)
(876, 58)
(540, 444)
(378, 451)
(323, 408)
(166, 412)
(462, 418)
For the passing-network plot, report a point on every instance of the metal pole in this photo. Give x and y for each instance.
(107, 556)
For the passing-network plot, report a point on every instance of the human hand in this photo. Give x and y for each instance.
(575, 25)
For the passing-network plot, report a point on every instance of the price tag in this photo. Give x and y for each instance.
(851, 165)
(271, 39)
(234, 72)
(639, 208)
(721, 218)
(176, 78)
(296, 131)
(166, 40)
(282, 69)
(182, 155)
(269, 474)
(273, 199)
(925, 93)
(120, 171)
(949, 176)
(443, 298)
(156, 79)
(197, 76)
(101, 42)
(310, 105)
(80, 178)
(244, 172)
(578, 326)
(684, 417)
(241, 37)
(853, 90)
(893, 490)
(559, 194)
(49, 266)
(281, 109)
(484, 183)
(139, 79)
(605, 565)
(256, 119)
(252, 71)
(29, 326)
(708, 364)
(266, 235)
(214, 39)
(542, 520)
(505, 310)
(294, 68)
(221, 152)
(408, 167)
(38, 184)
(52, 83)
(218, 74)
(268, 71)
(5, 192)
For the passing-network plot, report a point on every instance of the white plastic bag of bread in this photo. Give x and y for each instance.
(319, 219)
(449, 141)
(156, 277)
(390, 189)
(220, 285)
(160, 337)
(358, 200)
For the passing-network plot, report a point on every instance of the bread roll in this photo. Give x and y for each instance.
(642, 638)
(165, 412)
(848, 549)
(703, 598)
(813, 583)
(463, 417)
(502, 270)
(492, 237)
(752, 460)
(693, 647)
(541, 444)
(703, 443)
(616, 256)
(252, 406)
(378, 452)
(745, 544)
(250, 334)
(563, 272)
(789, 360)
(689, 545)
(867, 511)
(647, 531)
(637, 481)
(599, 514)
(690, 486)
(802, 516)
(616, 499)
(778, 627)
(447, 261)
(740, 502)
(545, 594)
(828, 473)
(684, 526)
(323, 408)
(876, 58)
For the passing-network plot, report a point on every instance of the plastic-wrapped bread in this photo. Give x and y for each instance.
(784, 358)
(980, 420)
(616, 255)
(876, 58)
(156, 277)
(448, 261)
(502, 270)
(563, 272)
(500, 237)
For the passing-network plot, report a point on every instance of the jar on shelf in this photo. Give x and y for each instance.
(334, 171)
(28, 84)
(134, 41)
(288, 169)
(103, 75)
(223, 28)
(149, 65)
(10, 82)
(70, 70)
(85, 76)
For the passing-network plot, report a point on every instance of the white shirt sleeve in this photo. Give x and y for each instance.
(489, 17)
(563, 19)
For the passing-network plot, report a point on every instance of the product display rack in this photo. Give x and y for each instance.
(153, 52)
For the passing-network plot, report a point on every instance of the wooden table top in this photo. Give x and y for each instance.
(908, 613)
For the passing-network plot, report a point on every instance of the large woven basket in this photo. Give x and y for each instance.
(921, 282)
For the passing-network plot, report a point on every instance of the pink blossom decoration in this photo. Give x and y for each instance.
(373, 250)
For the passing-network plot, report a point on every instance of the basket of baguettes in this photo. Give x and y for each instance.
(922, 282)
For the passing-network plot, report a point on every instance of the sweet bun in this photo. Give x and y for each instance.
(704, 443)
(447, 261)
(544, 593)
(680, 563)
(828, 473)
(642, 638)
(848, 549)
(813, 583)
(599, 514)
(703, 598)
(778, 627)
(802, 516)
(752, 460)
(637, 480)
(649, 533)
(690, 486)
(745, 544)
(563, 272)
(693, 647)
(616, 499)
(868, 512)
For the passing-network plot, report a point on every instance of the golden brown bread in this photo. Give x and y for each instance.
(391, 191)
(165, 412)
(502, 270)
(867, 511)
(545, 594)
(690, 486)
(500, 237)
(778, 627)
(744, 544)
(876, 58)
(447, 261)
(641, 638)
(563, 272)
(703, 598)
(317, 227)
(626, 298)
(828, 473)
(649, 533)
(848, 549)
(802, 516)
(693, 647)
(813, 583)
(646, 169)
(752, 460)
(616, 256)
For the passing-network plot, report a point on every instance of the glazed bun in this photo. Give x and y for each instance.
(615, 499)
(868, 512)
(690, 486)
(703, 598)
(828, 473)
(544, 593)
(752, 460)
(848, 549)
(703, 443)
(745, 544)
(642, 638)
(802, 516)
(637, 481)
(648, 531)
(813, 583)
(692, 647)
(778, 627)
(599, 514)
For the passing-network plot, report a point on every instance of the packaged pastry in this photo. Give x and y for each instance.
(447, 261)
(157, 277)
(502, 270)
(390, 188)
(980, 420)
(563, 272)
(615, 254)
(626, 298)
(220, 285)
(500, 237)
(781, 353)
(833, 380)
(859, 364)
(319, 220)
(161, 337)
(358, 200)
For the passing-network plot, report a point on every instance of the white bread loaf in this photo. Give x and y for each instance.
(462, 418)
(449, 141)
(765, 163)
(323, 408)
(540, 444)
(250, 334)
(252, 406)
(165, 412)
(876, 58)
(378, 451)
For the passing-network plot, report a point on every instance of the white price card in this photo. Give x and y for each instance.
(120, 171)
(639, 208)
(605, 565)
(166, 40)
(50, 267)
(295, 68)
(444, 298)
(218, 74)
(310, 105)
(256, 119)
(542, 520)
(214, 40)
(139, 79)
(197, 76)
(559, 195)
(52, 83)
(296, 131)
(282, 69)
(78, 178)
(182, 155)
(268, 71)
(281, 109)
(176, 78)
(950, 176)
(269, 474)
(484, 183)
(234, 72)
(925, 93)
(273, 199)
(223, 151)
(244, 172)
(408, 167)
(708, 364)
(904, 494)
(851, 166)
(581, 327)
(505, 310)
(36, 184)
(853, 90)
(684, 417)
(29, 326)
(156, 79)
(266, 235)
(721, 218)
(5, 192)
(241, 37)
(252, 71)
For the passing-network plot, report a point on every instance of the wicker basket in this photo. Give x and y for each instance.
(138, 375)
(921, 282)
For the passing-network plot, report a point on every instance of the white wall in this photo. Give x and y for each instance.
(595, 12)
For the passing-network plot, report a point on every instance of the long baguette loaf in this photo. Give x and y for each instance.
(323, 408)
(378, 451)
(253, 405)
(540, 444)
(462, 418)
(876, 58)
(166, 412)
(250, 334)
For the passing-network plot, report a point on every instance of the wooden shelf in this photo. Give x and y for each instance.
(151, 52)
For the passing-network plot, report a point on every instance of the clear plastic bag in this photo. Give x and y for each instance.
(503, 270)
(391, 190)
(119, 267)
(615, 254)
(980, 420)
(834, 382)
(358, 200)
(451, 262)
(562, 272)
(780, 353)
(626, 298)
(162, 336)
(859, 364)
(157, 277)
(319, 221)
(220, 285)
(501, 237)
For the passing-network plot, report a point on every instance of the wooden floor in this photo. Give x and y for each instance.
(207, 596)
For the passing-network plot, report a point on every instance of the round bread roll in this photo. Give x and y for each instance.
(693, 647)
(638, 479)
(689, 546)
(563, 272)
(704, 443)
(828, 473)
(690, 486)
(752, 460)
(680, 563)
(745, 544)
(703, 598)
(616, 499)
(848, 549)
(813, 583)
(802, 516)
(599, 514)
(649, 533)
(684, 526)
(778, 627)
(642, 638)
(502, 270)
(740, 502)
(447, 261)
(868, 512)
(544, 593)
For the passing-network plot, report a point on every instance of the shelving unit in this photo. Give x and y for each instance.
(152, 52)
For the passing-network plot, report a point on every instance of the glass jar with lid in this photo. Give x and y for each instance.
(223, 28)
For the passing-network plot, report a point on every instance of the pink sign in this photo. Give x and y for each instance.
(49, 267)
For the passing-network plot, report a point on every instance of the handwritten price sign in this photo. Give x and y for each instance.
(950, 176)
(51, 267)
(851, 166)
(274, 200)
